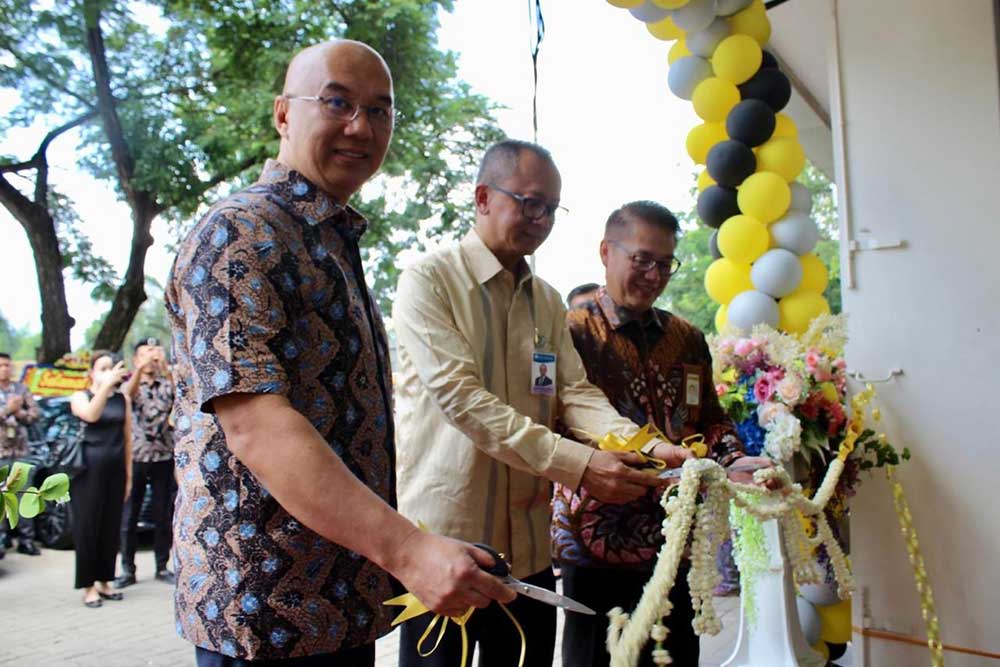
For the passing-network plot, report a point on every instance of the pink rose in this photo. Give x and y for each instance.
(721, 389)
(840, 364)
(812, 359)
(763, 390)
(766, 412)
(744, 346)
(790, 389)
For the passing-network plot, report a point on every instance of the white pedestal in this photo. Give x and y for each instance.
(775, 639)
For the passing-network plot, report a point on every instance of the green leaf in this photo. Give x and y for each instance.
(55, 487)
(10, 503)
(3, 473)
(18, 477)
(31, 504)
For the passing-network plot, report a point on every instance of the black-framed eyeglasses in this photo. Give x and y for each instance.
(344, 110)
(644, 263)
(533, 208)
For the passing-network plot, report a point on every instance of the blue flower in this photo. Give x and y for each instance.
(221, 379)
(340, 590)
(279, 637)
(212, 461)
(319, 252)
(233, 577)
(199, 347)
(220, 237)
(184, 423)
(299, 189)
(198, 275)
(247, 530)
(250, 603)
(196, 581)
(270, 565)
(228, 648)
(290, 351)
(211, 610)
(752, 435)
(231, 499)
(216, 306)
(201, 504)
(211, 537)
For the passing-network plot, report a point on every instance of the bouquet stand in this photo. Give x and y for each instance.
(775, 639)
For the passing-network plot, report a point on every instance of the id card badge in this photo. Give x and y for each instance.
(543, 374)
(692, 386)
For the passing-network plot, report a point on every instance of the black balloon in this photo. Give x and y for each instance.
(769, 60)
(730, 162)
(751, 121)
(713, 245)
(770, 86)
(836, 650)
(716, 204)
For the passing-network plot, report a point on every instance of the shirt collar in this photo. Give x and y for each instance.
(303, 198)
(619, 316)
(484, 263)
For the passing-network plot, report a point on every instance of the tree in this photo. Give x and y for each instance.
(171, 114)
(686, 295)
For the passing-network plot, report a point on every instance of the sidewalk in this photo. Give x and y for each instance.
(42, 621)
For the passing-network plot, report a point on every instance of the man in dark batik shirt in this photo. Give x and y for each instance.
(285, 532)
(17, 411)
(152, 395)
(655, 368)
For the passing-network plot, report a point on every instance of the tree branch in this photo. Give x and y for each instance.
(219, 178)
(30, 66)
(17, 166)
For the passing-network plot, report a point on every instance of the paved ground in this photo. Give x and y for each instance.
(43, 623)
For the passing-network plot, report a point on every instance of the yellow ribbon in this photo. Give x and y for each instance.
(413, 607)
(615, 443)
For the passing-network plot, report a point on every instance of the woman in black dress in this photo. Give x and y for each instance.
(97, 495)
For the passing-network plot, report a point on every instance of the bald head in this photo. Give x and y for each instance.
(336, 152)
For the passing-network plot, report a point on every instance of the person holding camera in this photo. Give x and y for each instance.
(17, 410)
(152, 395)
(99, 492)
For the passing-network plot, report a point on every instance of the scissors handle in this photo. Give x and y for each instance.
(500, 567)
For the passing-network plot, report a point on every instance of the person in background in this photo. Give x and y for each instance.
(654, 367)
(17, 411)
(581, 294)
(152, 395)
(97, 494)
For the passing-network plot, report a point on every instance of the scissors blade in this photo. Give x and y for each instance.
(548, 597)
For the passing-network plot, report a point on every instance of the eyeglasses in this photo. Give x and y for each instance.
(644, 263)
(533, 208)
(344, 110)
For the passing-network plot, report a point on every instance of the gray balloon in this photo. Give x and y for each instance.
(685, 75)
(821, 595)
(750, 308)
(777, 272)
(730, 7)
(647, 12)
(809, 619)
(703, 42)
(713, 245)
(802, 199)
(795, 232)
(695, 15)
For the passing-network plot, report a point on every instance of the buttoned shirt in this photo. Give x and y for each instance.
(267, 296)
(152, 436)
(476, 446)
(14, 424)
(655, 368)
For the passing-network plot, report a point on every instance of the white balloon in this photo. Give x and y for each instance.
(695, 15)
(647, 12)
(750, 308)
(802, 199)
(795, 232)
(703, 42)
(730, 7)
(821, 595)
(777, 273)
(685, 75)
(809, 619)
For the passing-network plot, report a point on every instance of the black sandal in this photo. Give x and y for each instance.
(111, 596)
(93, 604)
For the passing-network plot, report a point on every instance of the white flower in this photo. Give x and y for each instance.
(790, 389)
(766, 412)
(784, 435)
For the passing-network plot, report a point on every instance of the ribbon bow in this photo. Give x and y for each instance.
(641, 438)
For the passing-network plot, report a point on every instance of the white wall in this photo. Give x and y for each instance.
(922, 140)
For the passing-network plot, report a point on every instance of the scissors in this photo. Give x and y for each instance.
(501, 569)
(675, 473)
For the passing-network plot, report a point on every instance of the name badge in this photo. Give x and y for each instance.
(543, 374)
(692, 386)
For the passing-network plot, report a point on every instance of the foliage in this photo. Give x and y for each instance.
(28, 502)
(20, 344)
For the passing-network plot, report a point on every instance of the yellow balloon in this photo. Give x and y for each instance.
(713, 98)
(704, 180)
(753, 22)
(665, 30)
(702, 137)
(737, 58)
(670, 4)
(765, 196)
(742, 239)
(721, 318)
(821, 648)
(725, 278)
(784, 126)
(625, 4)
(796, 311)
(814, 274)
(835, 621)
(678, 50)
(783, 155)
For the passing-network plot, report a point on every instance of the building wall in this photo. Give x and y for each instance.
(922, 144)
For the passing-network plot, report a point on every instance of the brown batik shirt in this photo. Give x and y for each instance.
(267, 296)
(152, 437)
(14, 425)
(655, 368)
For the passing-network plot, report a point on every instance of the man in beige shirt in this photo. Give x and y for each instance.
(476, 447)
